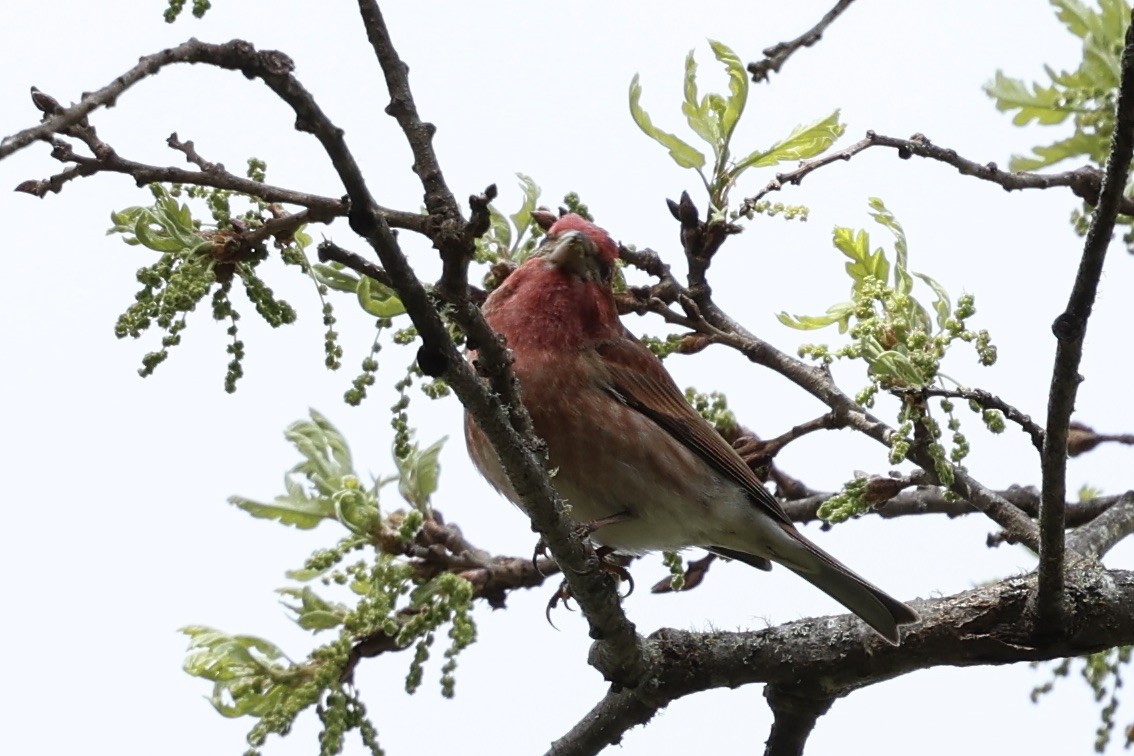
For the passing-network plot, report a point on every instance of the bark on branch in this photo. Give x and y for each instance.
(834, 656)
(1070, 328)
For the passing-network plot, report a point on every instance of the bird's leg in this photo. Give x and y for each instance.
(585, 529)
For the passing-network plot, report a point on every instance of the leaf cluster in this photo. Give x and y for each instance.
(388, 601)
(1086, 95)
(714, 118)
(899, 341)
(194, 260)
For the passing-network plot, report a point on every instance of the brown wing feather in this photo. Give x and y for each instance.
(638, 379)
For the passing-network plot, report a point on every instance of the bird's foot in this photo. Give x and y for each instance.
(609, 562)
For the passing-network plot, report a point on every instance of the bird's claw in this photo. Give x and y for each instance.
(562, 593)
(613, 564)
(610, 563)
(540, 551)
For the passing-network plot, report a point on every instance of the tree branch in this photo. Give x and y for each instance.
(496, 407)
(498, 411)
(1070, 329)
(776, 55)
(795, 710)
(988, 401)
(1084, 182)
(837, 655)
(330, 252)
(848, 414)
(1094, 540)
(932, 500)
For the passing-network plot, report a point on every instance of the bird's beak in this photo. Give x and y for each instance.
(572, 253)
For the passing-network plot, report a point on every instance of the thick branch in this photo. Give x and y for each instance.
(795, 710)
(496, 407)
(836, 655)
(1070, 329)
(776, 55)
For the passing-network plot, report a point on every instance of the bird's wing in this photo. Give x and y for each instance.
(638, 380)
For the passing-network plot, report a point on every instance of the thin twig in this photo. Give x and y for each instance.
(988, 401)
(1097, 538)
(330, 252)
(1084, 182)
(932, 500)
(1070, 328)
(753, 449)
(848, 414)
(777, 55)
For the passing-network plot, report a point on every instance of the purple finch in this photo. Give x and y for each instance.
(632, 459)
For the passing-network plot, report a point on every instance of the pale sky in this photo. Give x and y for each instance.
(118, 531)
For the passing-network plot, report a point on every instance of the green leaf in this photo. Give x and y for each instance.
(153, 238)
(700, 118)
(942, 306)
(903, 283)
(316, 621)
(681, 152)
(804, 142)
(896, 367)
(313, 612)
(1040, 104)
(737, 86)
(417, 474)
(1076, 145)
(1075, 16)
(385, 305)
(333, 276)
(305, 574)
(839, 313)
(864, 264)
(499, 229)
(300, 513)
(522, 218)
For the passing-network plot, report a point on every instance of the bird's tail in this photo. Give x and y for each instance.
(873, 606)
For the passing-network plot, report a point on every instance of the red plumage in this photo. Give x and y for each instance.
(622, 439)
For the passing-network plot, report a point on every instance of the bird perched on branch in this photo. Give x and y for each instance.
(639, 467)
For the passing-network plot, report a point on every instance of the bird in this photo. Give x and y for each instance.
(638, 467)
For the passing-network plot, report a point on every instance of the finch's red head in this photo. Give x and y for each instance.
(607, 249)
(580, 249)
(561, 296)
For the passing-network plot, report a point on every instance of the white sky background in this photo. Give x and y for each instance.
(117, 531)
